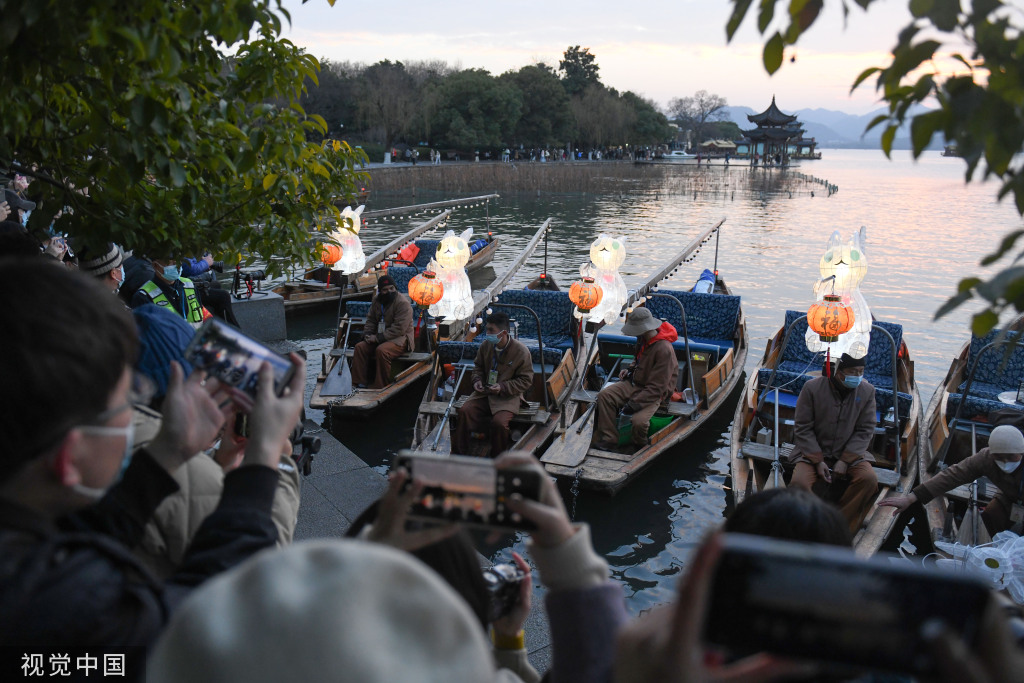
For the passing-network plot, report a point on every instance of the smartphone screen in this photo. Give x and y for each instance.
(823, 603)
(468, 490)
(234, 358)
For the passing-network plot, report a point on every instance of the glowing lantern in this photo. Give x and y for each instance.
(830, 318)
(586, 294)
(425, 289)
(331, 254)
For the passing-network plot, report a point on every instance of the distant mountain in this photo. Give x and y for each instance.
(836, 128)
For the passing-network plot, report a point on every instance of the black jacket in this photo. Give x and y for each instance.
(74, 582)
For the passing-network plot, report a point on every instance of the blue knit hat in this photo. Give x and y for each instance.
(163, 337)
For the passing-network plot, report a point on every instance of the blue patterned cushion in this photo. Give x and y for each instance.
(790, 381)
(878, 368)
(401, 275)
(883, 401)
(976, 406)
(428, 249)
(712, 349)
(357, 309)
(554, 309)
(708, 316)
(992, 376)
(455, 351)
(796, 349)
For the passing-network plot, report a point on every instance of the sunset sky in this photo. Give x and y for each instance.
(658, 48)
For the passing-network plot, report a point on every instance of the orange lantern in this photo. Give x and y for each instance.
(330, 254)
(425, 289)
(585, 294)
(830, 318)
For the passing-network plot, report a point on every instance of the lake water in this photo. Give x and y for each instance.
(926, 230)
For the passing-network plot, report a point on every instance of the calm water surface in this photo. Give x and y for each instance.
(926, 230)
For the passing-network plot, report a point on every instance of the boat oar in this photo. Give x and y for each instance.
(443, 431)
(775, 480)
(339, 380)
(972, 529)
(571, 446)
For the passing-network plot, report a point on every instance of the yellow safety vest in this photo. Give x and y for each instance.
(191, 311)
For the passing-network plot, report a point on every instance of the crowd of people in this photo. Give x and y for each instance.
(133, 512)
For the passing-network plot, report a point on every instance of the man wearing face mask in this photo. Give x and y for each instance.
(387, 335)
(834, 424)
(106, 264)
(1000, 462)
(170, 290)
(502, 373)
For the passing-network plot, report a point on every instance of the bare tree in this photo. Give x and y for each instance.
(695, 112)
(389, 99)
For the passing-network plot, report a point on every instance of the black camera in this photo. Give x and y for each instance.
(503, 581)
(217, 266)
(254, 275)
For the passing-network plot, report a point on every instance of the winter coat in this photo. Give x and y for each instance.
(398, 326)
(830, 422)
(981, 464)
(655, 371)
(515, 374)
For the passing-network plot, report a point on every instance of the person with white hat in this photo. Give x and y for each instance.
(648, 382)
(106, 264)
(1000, 462)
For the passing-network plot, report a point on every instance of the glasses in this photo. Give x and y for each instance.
(140, 392)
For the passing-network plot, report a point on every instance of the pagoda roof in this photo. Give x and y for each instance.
(774, 133)
(772, 116)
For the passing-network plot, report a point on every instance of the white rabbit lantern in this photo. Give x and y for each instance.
(843, 267)
(451, 258)
(352, 260)
(607, 255)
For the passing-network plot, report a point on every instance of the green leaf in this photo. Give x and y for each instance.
(773, 54)
(984, 322)
(765, 16)
(269, 180)
(887, 138)
(864, 75)
(739, 11)
(921, 8)
(1005, 246)
(945, 14)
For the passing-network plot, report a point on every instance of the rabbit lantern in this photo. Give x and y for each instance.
(352, 260)
(843, 267)
(606, 256)
(451, 258)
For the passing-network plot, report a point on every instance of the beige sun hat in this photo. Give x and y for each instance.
(639, 321)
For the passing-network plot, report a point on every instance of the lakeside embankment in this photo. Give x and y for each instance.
(582, 177)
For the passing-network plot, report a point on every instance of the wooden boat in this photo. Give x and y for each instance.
(980, 380)
(788, 365)
(543, 321)
(711, 351)
(411, 366)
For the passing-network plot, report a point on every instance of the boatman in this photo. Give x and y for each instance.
(834, 424)
(502, 373)
(1000, 462)
(170, 290)
(387, 335)
(642, 387)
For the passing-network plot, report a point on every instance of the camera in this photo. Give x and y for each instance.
(503, 581)
(217, 266)
(254, 275)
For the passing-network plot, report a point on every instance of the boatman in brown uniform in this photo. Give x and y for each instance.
(387, 335)
(835, 422)
(1000, 462)
(502, 373)
(641, 388)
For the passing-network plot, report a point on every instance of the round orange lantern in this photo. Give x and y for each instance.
(330, 254)
(586, 294)
(830, 318)
(425, 289)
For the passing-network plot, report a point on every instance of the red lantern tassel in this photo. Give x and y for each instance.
(828, 361)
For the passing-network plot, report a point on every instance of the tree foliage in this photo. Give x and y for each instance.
(980, 104)
(140, 122)
(697, 111)
(579, 69)
(475, 109)
(546, 116)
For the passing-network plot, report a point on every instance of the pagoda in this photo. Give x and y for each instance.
(777, 135)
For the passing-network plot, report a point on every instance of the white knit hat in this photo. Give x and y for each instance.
(324, 611)
(1006, 439)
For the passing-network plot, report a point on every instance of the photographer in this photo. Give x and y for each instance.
(74, 499)
(163, 338)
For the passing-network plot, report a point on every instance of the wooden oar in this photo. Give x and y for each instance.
(443, 433)
(571, 447)
(339, 380)
(775, 480)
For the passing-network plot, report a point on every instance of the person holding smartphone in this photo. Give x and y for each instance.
(502, 372)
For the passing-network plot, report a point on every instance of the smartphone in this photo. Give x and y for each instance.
(468, 490)
(823, 603)
(234, 358)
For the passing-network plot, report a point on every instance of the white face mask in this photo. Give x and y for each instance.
(1008, 466)
(129, 443)
(119, 281)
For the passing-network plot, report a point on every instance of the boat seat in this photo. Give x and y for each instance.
(766, 453)
(454, 351)
(554, 309)
(976, 406)
(410, 357)
(993, 374)
(708, 316)
(532, 413)
(428, 249)
(713, 350)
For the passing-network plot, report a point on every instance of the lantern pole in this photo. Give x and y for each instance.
(686, 343)
(718, 234)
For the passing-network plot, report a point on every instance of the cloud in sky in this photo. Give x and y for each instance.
(657, 48)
